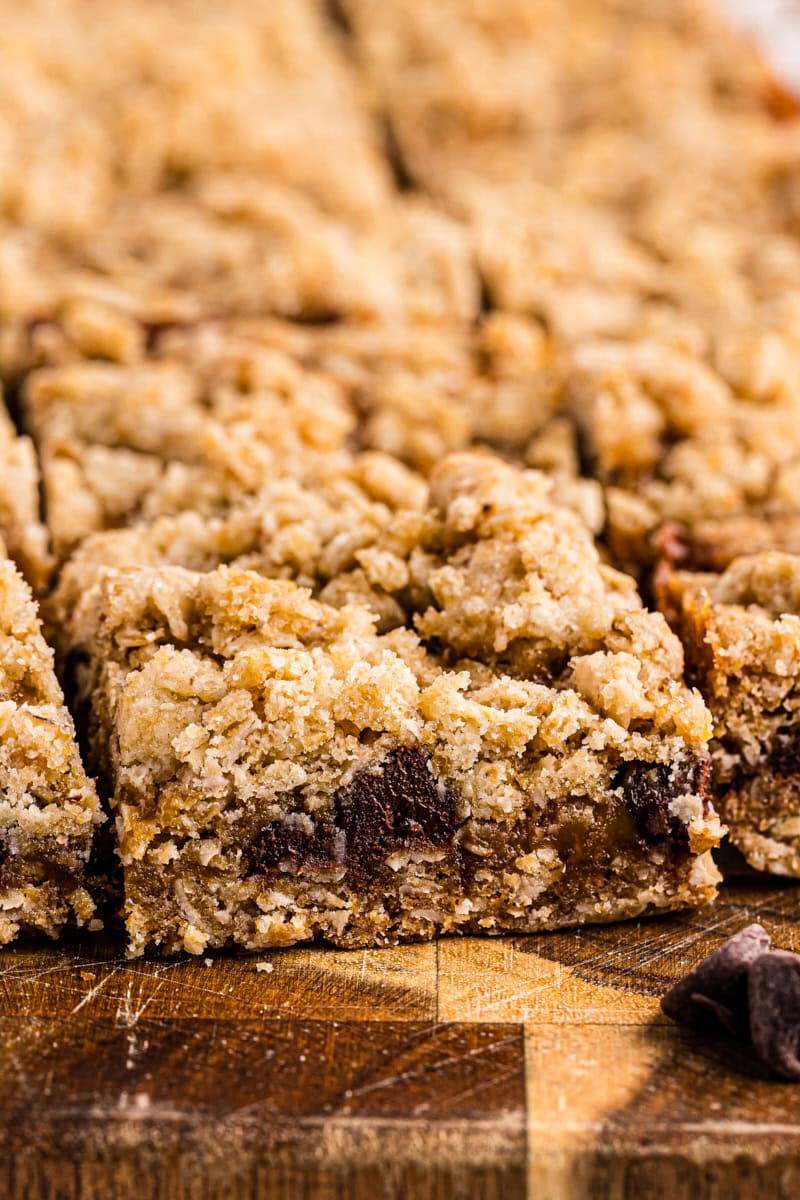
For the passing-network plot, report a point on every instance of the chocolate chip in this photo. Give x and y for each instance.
(648, 789)
(784, 756)
(294, 848)
(774, 996)
(398, 805)
(715, 993)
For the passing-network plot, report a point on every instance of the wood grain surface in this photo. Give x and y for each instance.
(487, 1068)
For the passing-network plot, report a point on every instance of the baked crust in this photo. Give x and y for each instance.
(48, 807)
(281, 771)
(741, 634)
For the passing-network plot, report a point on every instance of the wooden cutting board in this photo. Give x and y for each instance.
(489, 1069)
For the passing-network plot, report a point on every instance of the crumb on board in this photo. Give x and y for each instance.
(264, 966)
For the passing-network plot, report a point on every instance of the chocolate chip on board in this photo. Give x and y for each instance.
(774, 997)
(715, 993)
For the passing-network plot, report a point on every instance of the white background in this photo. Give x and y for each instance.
(776, 25)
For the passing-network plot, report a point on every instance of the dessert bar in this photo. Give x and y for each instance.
(21, 528)
(525, 757)
(348, 540)
(741, 634)
(48, 806)
(119, 444)
(683, 444)
(204, 163)
(210, 414)
(358, 537)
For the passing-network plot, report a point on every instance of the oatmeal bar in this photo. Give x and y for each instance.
(233, 404)
(527, 757)
(741, 634)
(120, 443)
(238, 245)
(568, 264)
(347, 539)
(606, 103)
(683, 441)
(48, 806)
(515, 113)
(421, 391)
(140, 99)
(20, 526)
(597, 98)
(193, 159)
(365, 536)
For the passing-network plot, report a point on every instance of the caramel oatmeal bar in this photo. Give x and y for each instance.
(238, 245)
(208, 414)
(741, 634)
(241, 246)
(48, 805)
(526, 756)
(361, 537)
(20, 526)
(348, 539)
(119, 444)
(591, 98)
(517, 112)
(421, 391)
(192, 159)
(692, 451)
(150, 98)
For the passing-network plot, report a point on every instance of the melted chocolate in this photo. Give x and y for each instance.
(398, 805)
(647, 791)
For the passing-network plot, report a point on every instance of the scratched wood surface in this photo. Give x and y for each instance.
(485, 1068)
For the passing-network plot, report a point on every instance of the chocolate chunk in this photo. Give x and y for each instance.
(399, 805)
(647, 789)
(774, 997)
(296, 850)
(784, 757)
(715, 993)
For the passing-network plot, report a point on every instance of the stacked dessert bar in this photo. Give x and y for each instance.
(401, 455)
